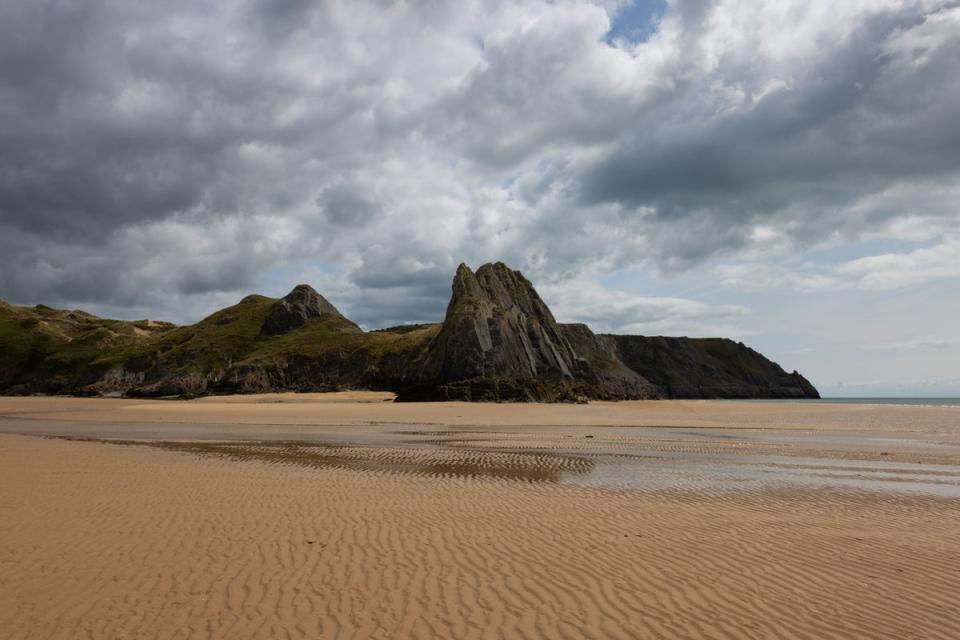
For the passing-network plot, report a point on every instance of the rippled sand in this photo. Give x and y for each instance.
(456, 521)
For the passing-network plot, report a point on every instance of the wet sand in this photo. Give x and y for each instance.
(343, 516)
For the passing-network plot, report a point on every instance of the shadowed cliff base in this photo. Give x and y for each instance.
(498, 342)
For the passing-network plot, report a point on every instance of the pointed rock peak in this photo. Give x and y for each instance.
(501, 272)
(303, 295)
(302, 289)
(497, 326)
(465, 284)
(508, 288)
(295, 308)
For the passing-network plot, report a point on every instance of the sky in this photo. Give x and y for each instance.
(783, 173)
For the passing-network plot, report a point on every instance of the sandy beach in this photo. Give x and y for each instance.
(349, 516)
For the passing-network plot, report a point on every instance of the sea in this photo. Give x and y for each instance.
(921, 402)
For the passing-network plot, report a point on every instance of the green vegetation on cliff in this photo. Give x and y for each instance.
(44, 350)
(55, 350)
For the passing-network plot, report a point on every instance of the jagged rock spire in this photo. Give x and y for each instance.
(499, 341)
(496, 325)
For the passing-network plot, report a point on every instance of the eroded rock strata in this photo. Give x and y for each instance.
(499, 341)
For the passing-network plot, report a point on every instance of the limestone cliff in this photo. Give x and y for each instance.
(708, 368)
(499, 341)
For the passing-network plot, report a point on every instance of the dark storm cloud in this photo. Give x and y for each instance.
(855, 117)
(382, 267)
(281, 18)
(348, 205)
(720, 153)
(392, 307)
(72, 163)
(117, 117)
(110, 118)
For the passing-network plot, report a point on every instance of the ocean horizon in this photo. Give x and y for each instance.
(885, 400)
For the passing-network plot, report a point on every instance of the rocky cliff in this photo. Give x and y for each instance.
(708, 368)
(498, 341)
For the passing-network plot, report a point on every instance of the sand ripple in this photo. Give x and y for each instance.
(102, 541)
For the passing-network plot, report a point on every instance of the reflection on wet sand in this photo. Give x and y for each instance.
(533, 467)
(711, 446)
(701, 461)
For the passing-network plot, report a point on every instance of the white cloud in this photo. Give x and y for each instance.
(886, 271)
(763, 276)
(606, 310)
(925, 344)
(893, 270)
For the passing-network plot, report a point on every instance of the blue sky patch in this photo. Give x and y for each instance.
(636, 21)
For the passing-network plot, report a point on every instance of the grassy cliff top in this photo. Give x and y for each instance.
(65, 339)
(39, 343)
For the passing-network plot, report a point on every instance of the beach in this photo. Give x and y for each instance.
(350, 516)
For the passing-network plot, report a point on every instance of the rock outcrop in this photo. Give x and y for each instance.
(499, 341)
(708, 368)
(293, 310)
(608, 376)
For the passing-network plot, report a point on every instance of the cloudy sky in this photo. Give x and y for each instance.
(786, 173)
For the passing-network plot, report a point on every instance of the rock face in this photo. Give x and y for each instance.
(609, 377)
(708, 368)
(499, 341)
(293, 310)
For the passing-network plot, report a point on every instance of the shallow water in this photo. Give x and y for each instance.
(644, 458)
(715, 473)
